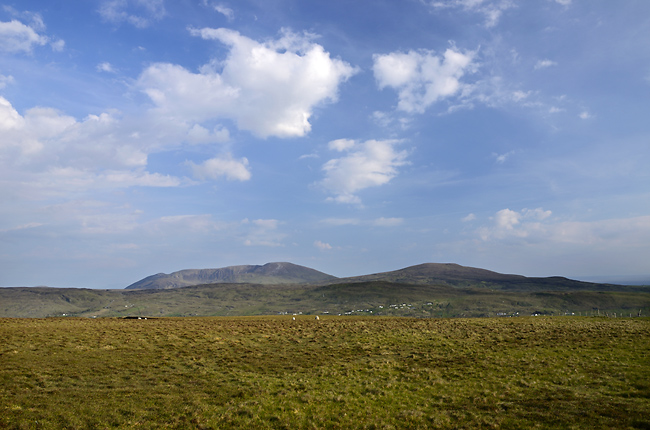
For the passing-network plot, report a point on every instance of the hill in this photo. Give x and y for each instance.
(470, 277)
(270, 273)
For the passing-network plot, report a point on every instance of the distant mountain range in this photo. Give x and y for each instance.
(423, 274)
(425, 290)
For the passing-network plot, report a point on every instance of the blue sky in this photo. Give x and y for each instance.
(146, 136)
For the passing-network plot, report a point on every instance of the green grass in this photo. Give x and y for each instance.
(337, 372)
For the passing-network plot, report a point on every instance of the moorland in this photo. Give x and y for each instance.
(335, 372)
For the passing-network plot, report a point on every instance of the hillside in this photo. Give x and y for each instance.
(357, 298)
(270, 273)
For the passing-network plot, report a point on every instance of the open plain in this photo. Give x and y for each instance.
(334, 372)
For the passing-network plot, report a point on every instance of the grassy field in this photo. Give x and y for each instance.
(336, 372)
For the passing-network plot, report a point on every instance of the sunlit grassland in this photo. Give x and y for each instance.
(336, 372)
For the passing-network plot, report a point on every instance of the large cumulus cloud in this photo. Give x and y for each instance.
(269, 88)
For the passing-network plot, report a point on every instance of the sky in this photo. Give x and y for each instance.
(148, 136)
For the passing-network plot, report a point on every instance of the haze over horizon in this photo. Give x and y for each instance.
(147, 136)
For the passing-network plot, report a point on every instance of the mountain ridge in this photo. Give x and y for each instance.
(269, 273)
(450, 274)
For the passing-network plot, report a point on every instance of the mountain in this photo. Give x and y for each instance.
(470, 277)
(435, 273)
(270, 273)
(448, 274)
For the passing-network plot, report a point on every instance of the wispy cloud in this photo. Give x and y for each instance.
(490, 9)
(225, 11)
(322, 245)
(501, 158)
(377, 222)
(139, 13)
(387, 222)
(263, 232)
(22, 227)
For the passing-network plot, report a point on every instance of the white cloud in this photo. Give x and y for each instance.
(106, 67)
(506, 219)
(585, 115)
(501, 158)
(468, 218)
(46, 153)
(139, 13)
(221, 8)
(9, 118)
(508, 223)
(556, 246)
(58, 46)
(542, 64)
(341, 144)
(563, 2)
(587, 247)
(422, 78)
(490, 9)
(268, 88)
(322, 245)
(538, 213)
(226, 166)
(368, 164)
(27, 134)
(18, 37)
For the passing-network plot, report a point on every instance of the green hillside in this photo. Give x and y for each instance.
(358, 298)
